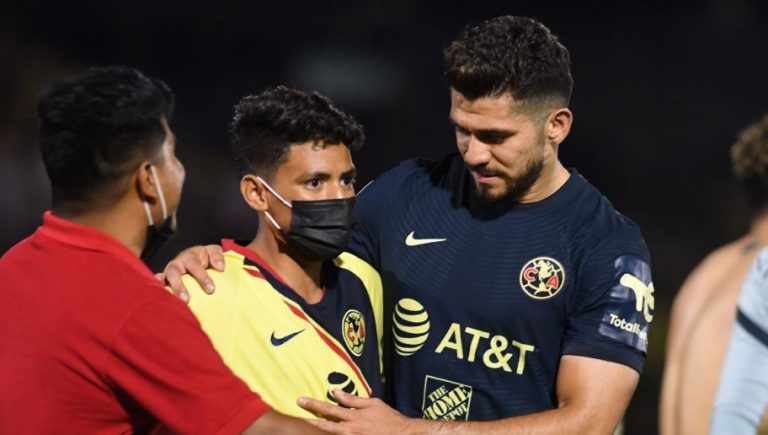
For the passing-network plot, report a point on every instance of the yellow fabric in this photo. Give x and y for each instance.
(372, 282)
(243, 314)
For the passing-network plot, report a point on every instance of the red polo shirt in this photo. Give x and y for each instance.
(90, 342)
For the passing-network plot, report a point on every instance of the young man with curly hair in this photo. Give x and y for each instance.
(294, 315)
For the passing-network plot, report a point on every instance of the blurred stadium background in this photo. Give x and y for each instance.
(661, 91)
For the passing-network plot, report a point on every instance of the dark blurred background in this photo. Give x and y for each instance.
(660, 93)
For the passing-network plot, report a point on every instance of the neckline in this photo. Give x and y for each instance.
(271, 275)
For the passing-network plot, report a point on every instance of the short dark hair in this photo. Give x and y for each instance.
(509, 54)
(96, 126)
(266, 125)
(749, 157)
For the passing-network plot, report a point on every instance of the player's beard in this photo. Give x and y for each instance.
(515, 187)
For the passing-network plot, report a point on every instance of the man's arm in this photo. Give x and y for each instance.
(592, 396)
(275, 423)
(685, 307)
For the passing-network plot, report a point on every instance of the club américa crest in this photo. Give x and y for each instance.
(542, 277)
(353, 331)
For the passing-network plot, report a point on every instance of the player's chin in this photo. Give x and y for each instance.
(490, 193)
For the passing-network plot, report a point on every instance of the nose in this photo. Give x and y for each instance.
(341, 191)
(477, 153)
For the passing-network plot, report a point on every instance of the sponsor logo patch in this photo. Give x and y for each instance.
(411, 240)
(445, 400)
(339, 381)
(410, 326)
(630, 306)
(279, 341)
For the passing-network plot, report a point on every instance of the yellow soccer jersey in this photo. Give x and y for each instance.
(283, 347)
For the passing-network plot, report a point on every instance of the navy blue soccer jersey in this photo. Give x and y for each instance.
(483, 304)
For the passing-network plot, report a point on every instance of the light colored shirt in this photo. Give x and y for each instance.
(742, 395)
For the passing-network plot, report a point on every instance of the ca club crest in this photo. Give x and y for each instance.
(353, 331)
(542, 277)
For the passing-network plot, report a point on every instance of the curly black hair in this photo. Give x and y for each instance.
(266, 125)
(509, 54)
(749, 158)
(96, 126)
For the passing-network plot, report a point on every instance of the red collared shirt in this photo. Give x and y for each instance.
(90, 342)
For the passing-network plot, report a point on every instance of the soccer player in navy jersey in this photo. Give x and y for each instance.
(521, 299)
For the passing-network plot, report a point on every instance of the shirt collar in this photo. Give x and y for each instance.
(88, 238)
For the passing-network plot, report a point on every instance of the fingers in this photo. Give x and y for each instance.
(215, 257)
(199, 272)
(352, 401)
(193, 261)
(328, 426)
(173, 272)
(325, 409)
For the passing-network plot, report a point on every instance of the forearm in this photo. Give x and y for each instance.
(669, 398)
(274, 423)
(564, 420)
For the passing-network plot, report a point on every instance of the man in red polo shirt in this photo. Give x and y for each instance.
(91, 342)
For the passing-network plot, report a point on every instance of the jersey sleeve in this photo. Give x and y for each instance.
(742, 396)
(162, 360)
(610, 313)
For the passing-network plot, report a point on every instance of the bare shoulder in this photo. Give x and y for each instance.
(716, 279)
(731, 260)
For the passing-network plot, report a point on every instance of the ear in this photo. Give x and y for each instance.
(146, 185)
(254, 193)
(558, 125)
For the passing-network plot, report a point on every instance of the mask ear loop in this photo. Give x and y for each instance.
(277, 195)
(162, 198)
(149, 213)
(160, 191)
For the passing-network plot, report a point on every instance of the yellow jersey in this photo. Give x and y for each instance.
(284, 348)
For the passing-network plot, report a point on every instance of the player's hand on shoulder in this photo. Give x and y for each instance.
(193, 261)
(357, 415)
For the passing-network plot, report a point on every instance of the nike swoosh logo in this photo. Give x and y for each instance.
(413, 241)
(282, 340)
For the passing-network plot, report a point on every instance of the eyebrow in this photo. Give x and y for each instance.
(488, 132)
(351, 173)
(324, 175)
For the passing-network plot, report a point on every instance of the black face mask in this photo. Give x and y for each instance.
(320, 230)
(156, 237)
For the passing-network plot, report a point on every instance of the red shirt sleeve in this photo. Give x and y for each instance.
(163, 360)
